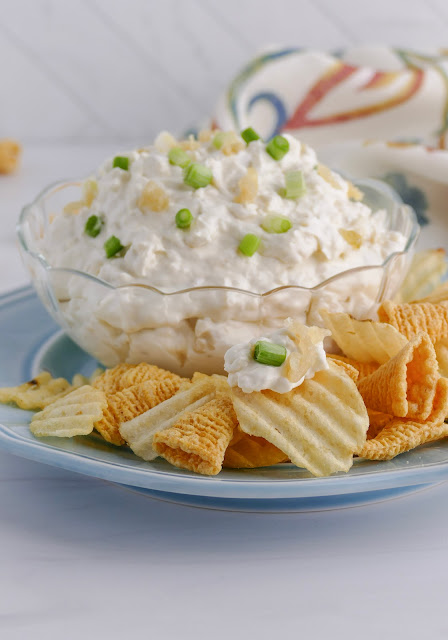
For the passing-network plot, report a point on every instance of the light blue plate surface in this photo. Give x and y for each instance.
(30, 342)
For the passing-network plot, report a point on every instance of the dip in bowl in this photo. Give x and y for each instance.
(175, 252)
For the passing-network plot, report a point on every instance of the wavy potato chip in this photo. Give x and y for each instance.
(318, 425)
(73, 415)
(425, 273)
(364, 340)
(37, 393)
(198, 439)
(438, 296)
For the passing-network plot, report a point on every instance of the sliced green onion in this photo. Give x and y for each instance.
(276, 224)
(184, 218)
(277, 147)
(249, 244)
(219, 139)
(179, 157)
(122, 162)
(249, 135)
(197, 175)
(112, 246)
(295, 184)
(93, 226)
(269, 353)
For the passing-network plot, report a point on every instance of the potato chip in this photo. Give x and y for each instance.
(401, 435)
(438, 296)
(425, 273)
(306, 338)
(37, 393)
(363, 368)
(250, 452)
(73, 415)
(198, 439)
(347, 367)
(139, 432)
(406, 385)
(124, 405)
(363, 340)
(412, 319)
(318, 425)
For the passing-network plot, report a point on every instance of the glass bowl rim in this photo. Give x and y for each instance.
(372, 183)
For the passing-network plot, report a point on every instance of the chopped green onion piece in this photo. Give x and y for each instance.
(184, 218)
(249, 244)
(269, 353)
(197, 175)
(122, 162)
(277, 147)
(219, 139)
(93, 226)
(295, 184)
(276, 224)
(249, 135)
(112, 246)
(179, 157)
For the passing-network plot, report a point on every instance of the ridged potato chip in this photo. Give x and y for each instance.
(140, 431)
(73, 415)
(38, 393)
(438, 296)
(198, 440)
(364, 340)
(425, 273)
(318, 425)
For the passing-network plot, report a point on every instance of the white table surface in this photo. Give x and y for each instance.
(81, 558)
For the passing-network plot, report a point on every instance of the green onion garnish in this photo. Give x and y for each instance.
(249, 244)
(269, 353)
(197, 175)
(93, 226)
(179, 157)
(276, 224)
(184, 218)
(295, 184)
(249, 135)
(219, 139)
(277, 147)
(122, 162)
(112, 246)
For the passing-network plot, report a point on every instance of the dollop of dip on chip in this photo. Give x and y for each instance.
(300, 348)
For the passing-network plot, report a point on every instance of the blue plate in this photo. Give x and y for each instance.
(30, 342)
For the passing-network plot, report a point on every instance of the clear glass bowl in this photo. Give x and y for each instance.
(190, 330)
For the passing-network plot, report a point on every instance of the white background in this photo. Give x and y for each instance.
(83, 559)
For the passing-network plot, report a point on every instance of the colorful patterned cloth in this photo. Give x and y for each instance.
(369, 111)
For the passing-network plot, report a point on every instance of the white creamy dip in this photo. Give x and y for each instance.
(329, 233)
(249, 375)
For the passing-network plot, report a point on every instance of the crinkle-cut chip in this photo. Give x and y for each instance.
(411, 319)
(306, 338)
(10, 151)
(401, 435)
(153, 198)
(377, 422)
(73, 415)
(425, 273)
(364, 340)
(124, 405)
(438, 296)
(363, 368)
(198, 440)
(139, 432)
(127, 375)
(37, 393)
(250, 452)
(405, 386)
(318, 425)
(348, 368)
(248, 187)
(441, 348)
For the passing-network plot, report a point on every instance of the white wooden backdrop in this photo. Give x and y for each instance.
(97, 70)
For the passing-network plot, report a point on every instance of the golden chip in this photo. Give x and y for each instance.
(198, 439)
(438, 296)
(425, 273)
(73, 415)
(306, 338)
(37, 393)
(318, 425)
(364, 340)
(139, 432)
(363, 368)
(127, 375)
(250, 452)
(441, 348)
